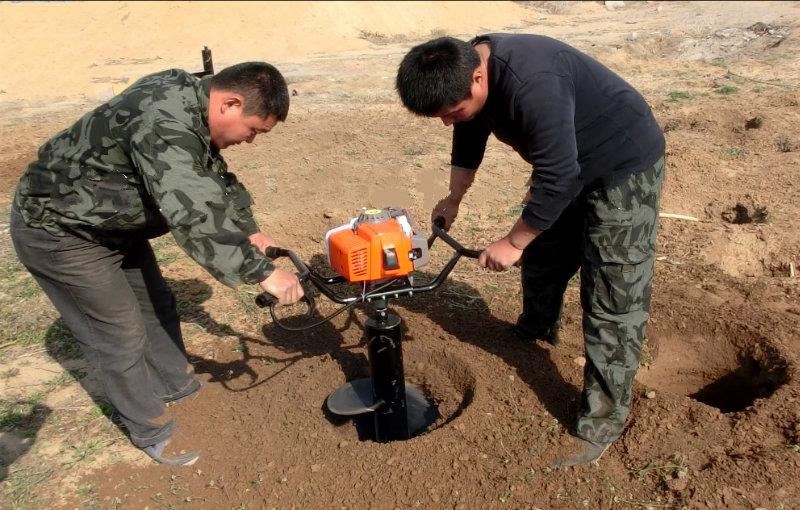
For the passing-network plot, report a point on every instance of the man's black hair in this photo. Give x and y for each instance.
(436, 74)
(262, 86)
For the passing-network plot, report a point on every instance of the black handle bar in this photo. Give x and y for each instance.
(265, 299)
(438, 231)
(392, 288)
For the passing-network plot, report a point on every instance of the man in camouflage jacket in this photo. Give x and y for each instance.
(145, 163)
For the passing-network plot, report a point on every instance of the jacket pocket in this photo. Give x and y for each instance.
(113, 203)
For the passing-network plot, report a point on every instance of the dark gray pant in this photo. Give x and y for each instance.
(123, 315)
(610, 235)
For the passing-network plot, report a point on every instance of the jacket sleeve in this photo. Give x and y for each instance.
(469, 143)
(545, 107)
(194, 202)
(241, 213)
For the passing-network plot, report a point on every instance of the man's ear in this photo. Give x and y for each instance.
(478, 75)
(233, 101)
(478, 80)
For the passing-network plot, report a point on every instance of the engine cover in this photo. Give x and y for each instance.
(376, 245)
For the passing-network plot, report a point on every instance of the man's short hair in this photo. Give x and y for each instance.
(262, 86)
(436, 74)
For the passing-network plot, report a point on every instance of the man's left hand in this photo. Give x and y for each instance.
(500, 255)
(261, 241)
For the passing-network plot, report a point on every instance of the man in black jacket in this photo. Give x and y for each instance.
(598, 162)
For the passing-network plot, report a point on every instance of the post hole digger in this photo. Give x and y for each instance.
(374, 256)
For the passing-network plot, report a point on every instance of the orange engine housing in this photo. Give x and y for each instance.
(373, 251)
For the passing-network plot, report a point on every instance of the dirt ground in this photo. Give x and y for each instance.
(715, 420)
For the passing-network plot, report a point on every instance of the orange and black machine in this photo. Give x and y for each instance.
(374, 256)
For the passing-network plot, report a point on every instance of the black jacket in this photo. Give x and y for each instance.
(573, 119)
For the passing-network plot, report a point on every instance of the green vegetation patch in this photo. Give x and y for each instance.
(726, 90)
(20, 414)
(678, 95)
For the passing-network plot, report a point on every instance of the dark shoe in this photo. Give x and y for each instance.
(526, 334)
(191, 396)
(116, 419)
(589, 451)
(157, 453)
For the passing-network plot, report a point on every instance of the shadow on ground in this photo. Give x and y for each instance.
(472, 321)
(474, 324)
(21, 421)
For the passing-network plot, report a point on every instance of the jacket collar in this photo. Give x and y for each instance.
(203, 99)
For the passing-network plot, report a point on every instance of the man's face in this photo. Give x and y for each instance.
(467, 108)
(229, 125)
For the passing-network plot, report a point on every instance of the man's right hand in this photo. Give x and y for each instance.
(447, 208)
(284, 286)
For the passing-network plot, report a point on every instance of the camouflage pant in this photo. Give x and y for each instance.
(609, 234)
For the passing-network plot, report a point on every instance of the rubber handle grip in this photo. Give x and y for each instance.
(265, 299)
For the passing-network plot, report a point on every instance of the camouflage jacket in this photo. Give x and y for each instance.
(141, 165)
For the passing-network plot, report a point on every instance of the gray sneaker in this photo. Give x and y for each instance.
(589, 451)
(157, 453)
(191, 396)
